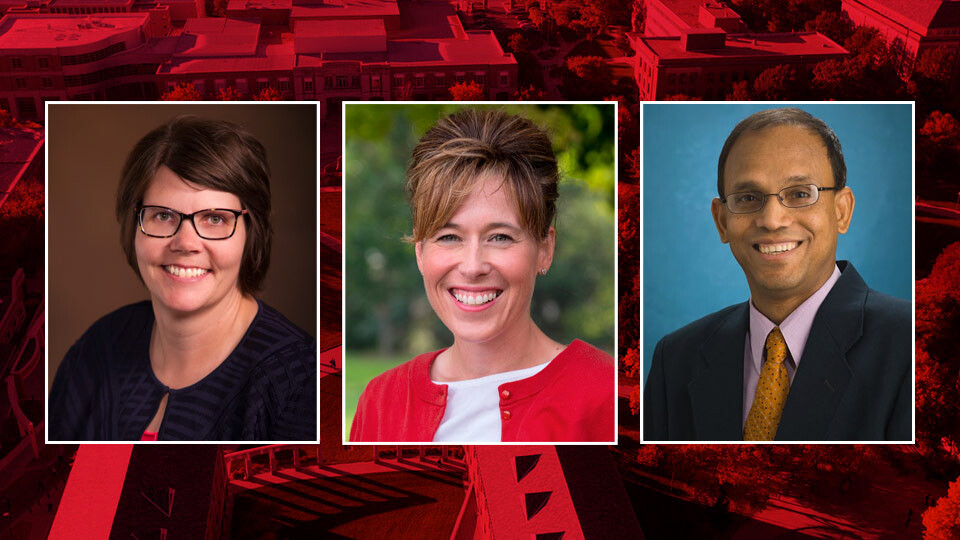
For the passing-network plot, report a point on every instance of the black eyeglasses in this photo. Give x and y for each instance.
(212, 224)
(747, 202)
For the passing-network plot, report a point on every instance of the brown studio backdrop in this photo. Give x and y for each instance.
(88, 273)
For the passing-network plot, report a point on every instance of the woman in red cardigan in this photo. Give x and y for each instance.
(483, 190)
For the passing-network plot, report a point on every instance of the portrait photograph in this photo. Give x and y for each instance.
(181, 272)
(479, 279)
(778, 272)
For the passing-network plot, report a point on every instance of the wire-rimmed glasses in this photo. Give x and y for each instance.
(747, 202)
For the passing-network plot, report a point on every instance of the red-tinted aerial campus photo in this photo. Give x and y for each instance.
(331, 51)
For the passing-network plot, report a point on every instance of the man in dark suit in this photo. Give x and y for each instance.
(814, 355)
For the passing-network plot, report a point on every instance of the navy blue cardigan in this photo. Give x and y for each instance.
(105, 389)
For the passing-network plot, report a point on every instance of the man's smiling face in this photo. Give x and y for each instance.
(786, 253)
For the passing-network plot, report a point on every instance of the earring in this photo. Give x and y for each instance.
(543, 271)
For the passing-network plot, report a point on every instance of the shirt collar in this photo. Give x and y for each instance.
(795, 328)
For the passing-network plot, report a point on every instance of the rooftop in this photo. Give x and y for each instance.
(276, 55)
(748, 46)
(689, 10)
(42, 31)
(259, 4)
(920, 15)
(431, 33)
(480, 47)
(220, 37)
(339, 9)
(324, 28)
(68, 3)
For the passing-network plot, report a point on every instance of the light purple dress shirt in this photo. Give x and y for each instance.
(795, 329)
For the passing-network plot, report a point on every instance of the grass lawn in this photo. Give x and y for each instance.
(358, 368)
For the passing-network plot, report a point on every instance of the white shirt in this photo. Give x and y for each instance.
(473, 407)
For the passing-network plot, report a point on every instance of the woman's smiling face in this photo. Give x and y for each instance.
(480, 268)
(185, 273)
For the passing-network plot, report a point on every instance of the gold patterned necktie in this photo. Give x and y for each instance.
(772, 390)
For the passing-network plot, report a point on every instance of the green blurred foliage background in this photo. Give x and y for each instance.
(388, 317)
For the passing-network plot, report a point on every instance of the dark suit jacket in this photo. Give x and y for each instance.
(853, 382)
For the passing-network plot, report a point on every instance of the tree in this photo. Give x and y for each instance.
(775, 84)
(782, 15)
(7, 120)
(589, 68)
(518, 43)
(740, 92)
(638, 16)
(467, 91)
(182, 92)
(681, 97)
(834, 25)
(530, 93)
(938, 353)
(218, 8)
(938, 144)
(229, 93)
(931, 76)
(622, 43)
(942, 520)
(268, 94)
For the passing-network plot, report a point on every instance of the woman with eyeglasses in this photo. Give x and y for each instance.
(203, 359)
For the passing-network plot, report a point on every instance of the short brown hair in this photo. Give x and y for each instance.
(788, 116)
(470, 144)
(214, 154)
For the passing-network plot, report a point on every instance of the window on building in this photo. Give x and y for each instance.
(438, 80)
(46, 82)
(375, 82)
(671, 78)
(26, 108)
(710, 77)
(242, 86)
(355, 81)
(397, 81)
(723, 77)
(481, 79)
(458, 78)
(284, 85)
(341, 81)
(17, 63)
(504, 78)
(21, 82)
(308, 86)
(683, 78)
(418, 80)
(328, 82)
(43, 62)
(262, 84)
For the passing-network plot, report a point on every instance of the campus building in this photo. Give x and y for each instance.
(50, 57)
(324, 51)
(665, 18)
(700, 49)
(913, 25)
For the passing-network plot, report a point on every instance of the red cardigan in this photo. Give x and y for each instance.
(570, 400)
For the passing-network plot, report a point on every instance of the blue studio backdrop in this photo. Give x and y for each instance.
(688, 273)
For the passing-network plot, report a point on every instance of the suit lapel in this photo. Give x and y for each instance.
(716, 393)
(823, 375)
